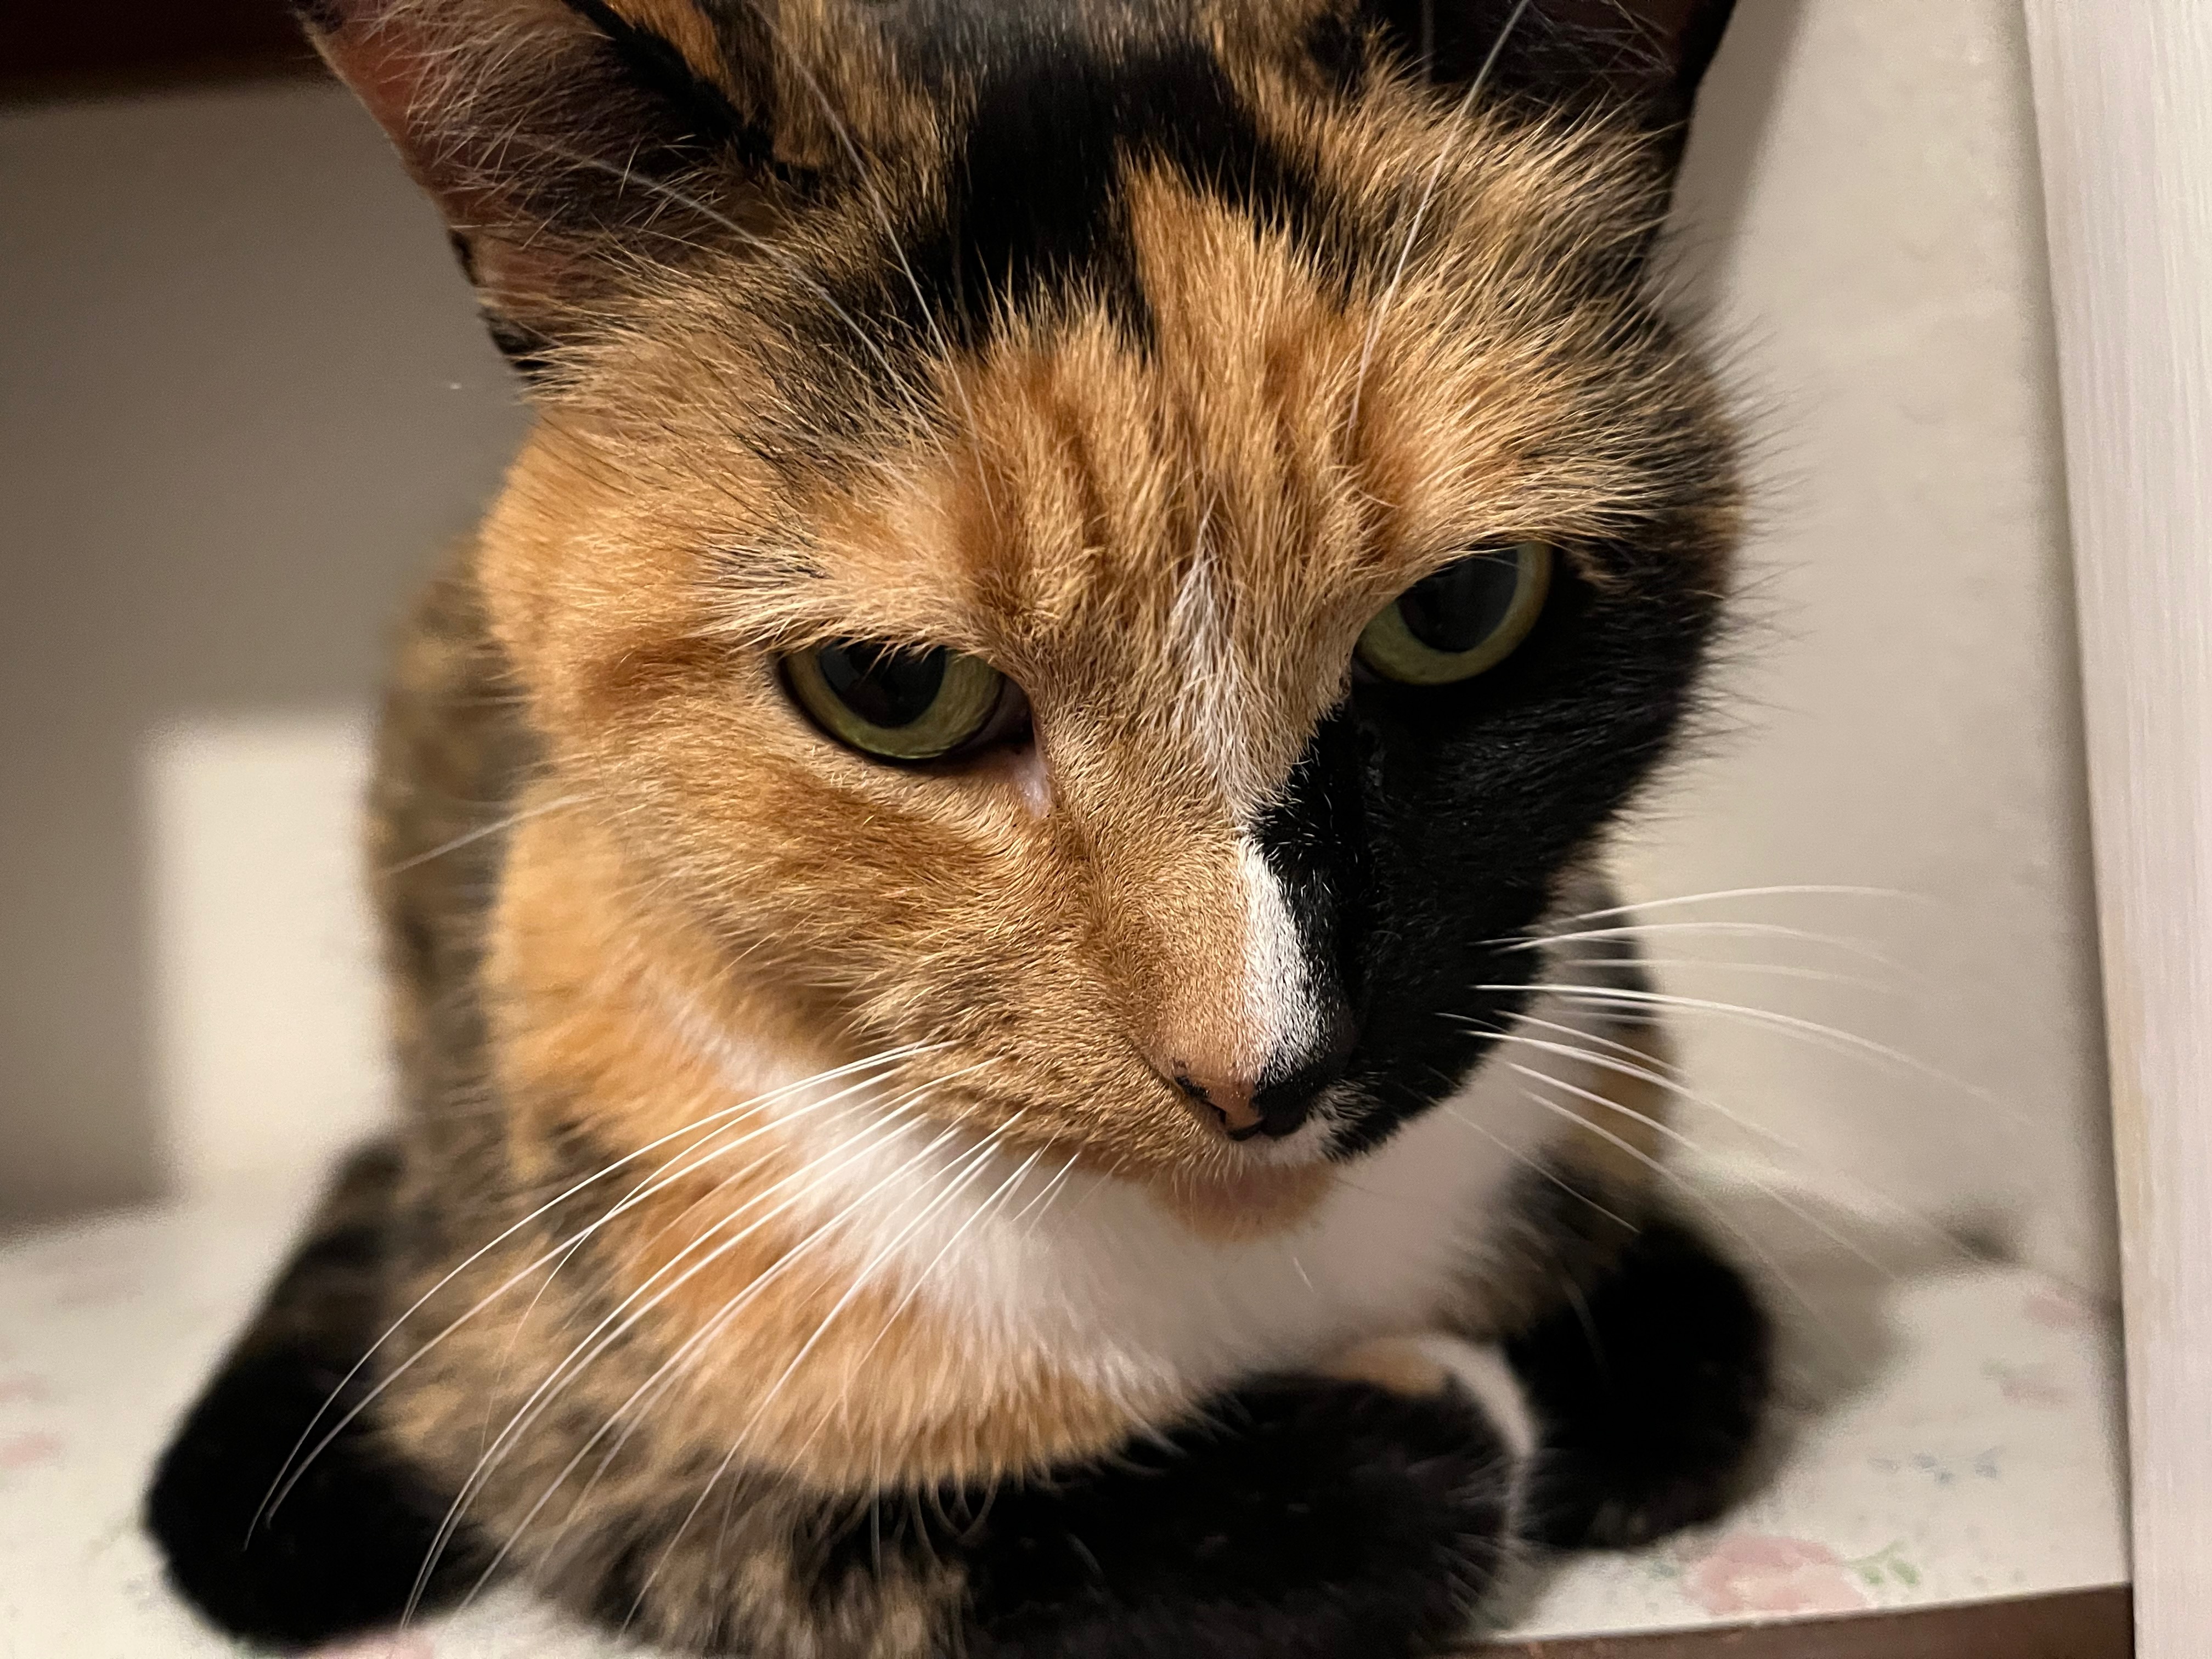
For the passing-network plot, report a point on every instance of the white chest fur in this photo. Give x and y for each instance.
(1100, 1280)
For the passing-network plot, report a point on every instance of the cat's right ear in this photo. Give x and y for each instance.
(566, 140)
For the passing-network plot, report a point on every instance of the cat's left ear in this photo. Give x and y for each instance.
(569, 142)
(1640, 57)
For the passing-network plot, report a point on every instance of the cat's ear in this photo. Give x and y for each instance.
(1646, 56)
(565, 141)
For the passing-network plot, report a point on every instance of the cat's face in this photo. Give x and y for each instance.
(1136, 546)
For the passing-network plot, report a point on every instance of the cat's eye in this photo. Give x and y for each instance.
(1466, 618)
(899, 702)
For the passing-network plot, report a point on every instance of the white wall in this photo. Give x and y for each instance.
(241, 396)
(240, 391)
(1862, 210)
(268, 1053)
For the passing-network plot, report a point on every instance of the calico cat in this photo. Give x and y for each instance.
(960, 855)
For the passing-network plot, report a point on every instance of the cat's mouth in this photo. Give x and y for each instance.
(1261, 1184)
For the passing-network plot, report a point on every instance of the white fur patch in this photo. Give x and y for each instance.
(1094, 1277)
(1097, 1278)
(1215, 704)
(1278, 1001)
(1279, 1013)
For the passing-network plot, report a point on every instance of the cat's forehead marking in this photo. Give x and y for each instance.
(1166, 531)
(1199, 443)
(1214, 707)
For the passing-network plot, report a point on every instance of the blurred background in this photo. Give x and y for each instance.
(244, 398)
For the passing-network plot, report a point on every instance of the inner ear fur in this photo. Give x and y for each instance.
(565, 141)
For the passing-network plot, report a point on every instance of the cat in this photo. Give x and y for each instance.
(992, 863)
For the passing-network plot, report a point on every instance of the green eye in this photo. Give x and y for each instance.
(898, 703)
(1466, 618)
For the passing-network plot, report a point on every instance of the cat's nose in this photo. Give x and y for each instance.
(1275, 1103)
(1227, 1099)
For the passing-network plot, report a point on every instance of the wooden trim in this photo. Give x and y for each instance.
(74, 48)
(2123, 113)
(2091, 1624)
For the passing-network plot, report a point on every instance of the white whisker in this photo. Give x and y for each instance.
(1538, 940)
(1658, 1078)
(470, 837)
(597, 1342)
(601, 1339)
(1751, 1245)
(294, 1466)
(1537, 1164)
(1044, 1200)
(1827, 1036)
(1788, 890)
(1668, 1132)
(976, 1163)
(1774, 970)
(1635, 932)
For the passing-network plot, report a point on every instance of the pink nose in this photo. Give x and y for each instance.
(1276, 1103)
(1220, 1097)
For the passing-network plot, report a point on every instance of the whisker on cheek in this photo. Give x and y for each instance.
(296, 1463)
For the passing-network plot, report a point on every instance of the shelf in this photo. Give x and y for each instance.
(1949, 1438)
(2086, 1624)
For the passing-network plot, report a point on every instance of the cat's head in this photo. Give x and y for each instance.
(1135, 540)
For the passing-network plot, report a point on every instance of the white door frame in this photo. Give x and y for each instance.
(2123, 107)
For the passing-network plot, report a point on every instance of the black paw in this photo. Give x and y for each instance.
(1306, 1519)
(342, 1551)
(1650, 1395)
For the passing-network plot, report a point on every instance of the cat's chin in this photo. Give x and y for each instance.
(1250, 1202)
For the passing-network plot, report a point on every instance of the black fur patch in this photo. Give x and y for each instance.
(341, 1552)
(1641, 59)
(1300, 1519)
(1033, 199)
(1650, 54)
(1651, 1396)
(1424, 825)
(702, 110)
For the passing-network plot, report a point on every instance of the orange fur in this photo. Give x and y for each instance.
(1170, 544)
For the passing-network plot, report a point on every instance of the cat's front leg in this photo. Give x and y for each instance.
(1649, 1390)
(1363, 1513)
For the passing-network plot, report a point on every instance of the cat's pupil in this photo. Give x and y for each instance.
(884, 684)
(1462, 605)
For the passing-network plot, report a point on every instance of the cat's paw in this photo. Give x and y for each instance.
(1358, 1515)
(1649, 1395)
(286, 1518)
(1431, 1362)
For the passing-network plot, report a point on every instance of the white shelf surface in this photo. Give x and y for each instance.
(1949, 1436)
